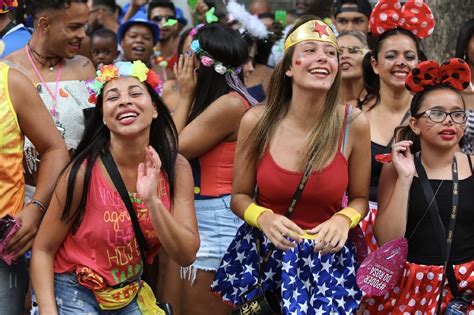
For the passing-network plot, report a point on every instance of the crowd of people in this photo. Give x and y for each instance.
(233, 159)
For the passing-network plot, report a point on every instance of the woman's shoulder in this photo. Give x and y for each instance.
(230, 102)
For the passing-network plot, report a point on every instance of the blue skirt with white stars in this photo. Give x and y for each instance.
(304, 281)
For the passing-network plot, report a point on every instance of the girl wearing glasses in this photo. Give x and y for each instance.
(435, 127)
(395, 53)
(353, 46)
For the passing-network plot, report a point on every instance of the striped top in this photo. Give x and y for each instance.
(468, 142)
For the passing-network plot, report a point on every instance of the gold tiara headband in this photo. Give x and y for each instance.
(312, 30)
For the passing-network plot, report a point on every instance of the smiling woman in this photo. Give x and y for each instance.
(395, 53)
(303, 150)
(425, 166)
(131, 127)
(353, 46)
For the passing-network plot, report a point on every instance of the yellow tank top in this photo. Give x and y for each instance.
(12, 181)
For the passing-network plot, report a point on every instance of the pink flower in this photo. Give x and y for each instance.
(206, 61)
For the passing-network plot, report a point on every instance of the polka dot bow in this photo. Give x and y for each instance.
(454, 73)
(415, 16)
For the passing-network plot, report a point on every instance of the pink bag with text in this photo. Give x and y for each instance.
(381, 270)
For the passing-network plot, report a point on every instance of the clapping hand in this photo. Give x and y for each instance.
(148, 179)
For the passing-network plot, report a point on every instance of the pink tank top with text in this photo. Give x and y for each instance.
(105, 240)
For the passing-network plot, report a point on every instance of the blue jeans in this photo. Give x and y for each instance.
(74, 299)
(13, 286)
(217, 227)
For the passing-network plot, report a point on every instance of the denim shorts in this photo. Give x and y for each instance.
(217, 227)
(73, 299)
(13, 286)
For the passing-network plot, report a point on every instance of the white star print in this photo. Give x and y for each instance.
(269, 274)
(326, 266)
(323, 288)
(287, 266)
(231, 278)
(340, 302)
(303, 308)
(352, 292)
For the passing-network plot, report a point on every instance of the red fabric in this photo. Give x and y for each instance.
(417, 291)
(321, 198)
(217, 166)
(172, 61)
(414, 16)
(105, 241)
(454, 72)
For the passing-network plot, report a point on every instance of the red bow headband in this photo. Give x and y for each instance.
(454, 73)
(415, 16)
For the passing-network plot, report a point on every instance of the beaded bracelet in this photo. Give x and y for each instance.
(38, 204)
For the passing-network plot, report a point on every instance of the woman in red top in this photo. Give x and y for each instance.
(312, 265)
(207, 119)
(94, 255)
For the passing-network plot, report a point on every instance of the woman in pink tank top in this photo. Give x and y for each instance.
(95, 255)
(301, 259)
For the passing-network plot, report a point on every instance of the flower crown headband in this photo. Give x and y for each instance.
(415, 16)
(454, 73)
(8, 5)
(135, 69)
(206, 58)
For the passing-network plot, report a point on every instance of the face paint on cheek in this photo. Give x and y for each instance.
(299, 59)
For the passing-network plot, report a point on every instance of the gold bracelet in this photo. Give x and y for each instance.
(352, 214)
(253, 212)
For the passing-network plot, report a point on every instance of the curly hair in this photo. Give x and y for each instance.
(34, 7)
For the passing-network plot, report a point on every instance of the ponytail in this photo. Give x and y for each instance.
(371, 82)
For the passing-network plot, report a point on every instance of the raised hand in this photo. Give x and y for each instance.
(278, 229)
(403, 160)
(139, 3)
(148, 179)
(185, 75)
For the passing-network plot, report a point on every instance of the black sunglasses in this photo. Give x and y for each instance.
(159, 18)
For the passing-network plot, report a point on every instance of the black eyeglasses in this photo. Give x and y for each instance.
(438, 116)
(159, 18)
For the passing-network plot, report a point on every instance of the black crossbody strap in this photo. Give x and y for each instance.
(114, 174)
(301, 185)
(289, 213)
(444, 241)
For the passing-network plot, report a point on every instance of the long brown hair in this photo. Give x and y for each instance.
(324, 136)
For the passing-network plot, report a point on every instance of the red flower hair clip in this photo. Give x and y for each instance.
(415, 16)
(454, 73)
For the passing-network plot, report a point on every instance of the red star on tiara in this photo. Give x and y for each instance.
(320, 29)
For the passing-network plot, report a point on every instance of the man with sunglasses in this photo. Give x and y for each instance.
(163, 13)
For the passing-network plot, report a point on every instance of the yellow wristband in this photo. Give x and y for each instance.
(253, 212)
(352, 214)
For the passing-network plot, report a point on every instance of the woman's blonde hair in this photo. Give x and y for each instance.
(324, 136)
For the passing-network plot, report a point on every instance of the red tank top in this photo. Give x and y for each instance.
(105, 241)
(213, 171)
(321, 197)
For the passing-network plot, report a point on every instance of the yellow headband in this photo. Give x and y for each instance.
(312, 30)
